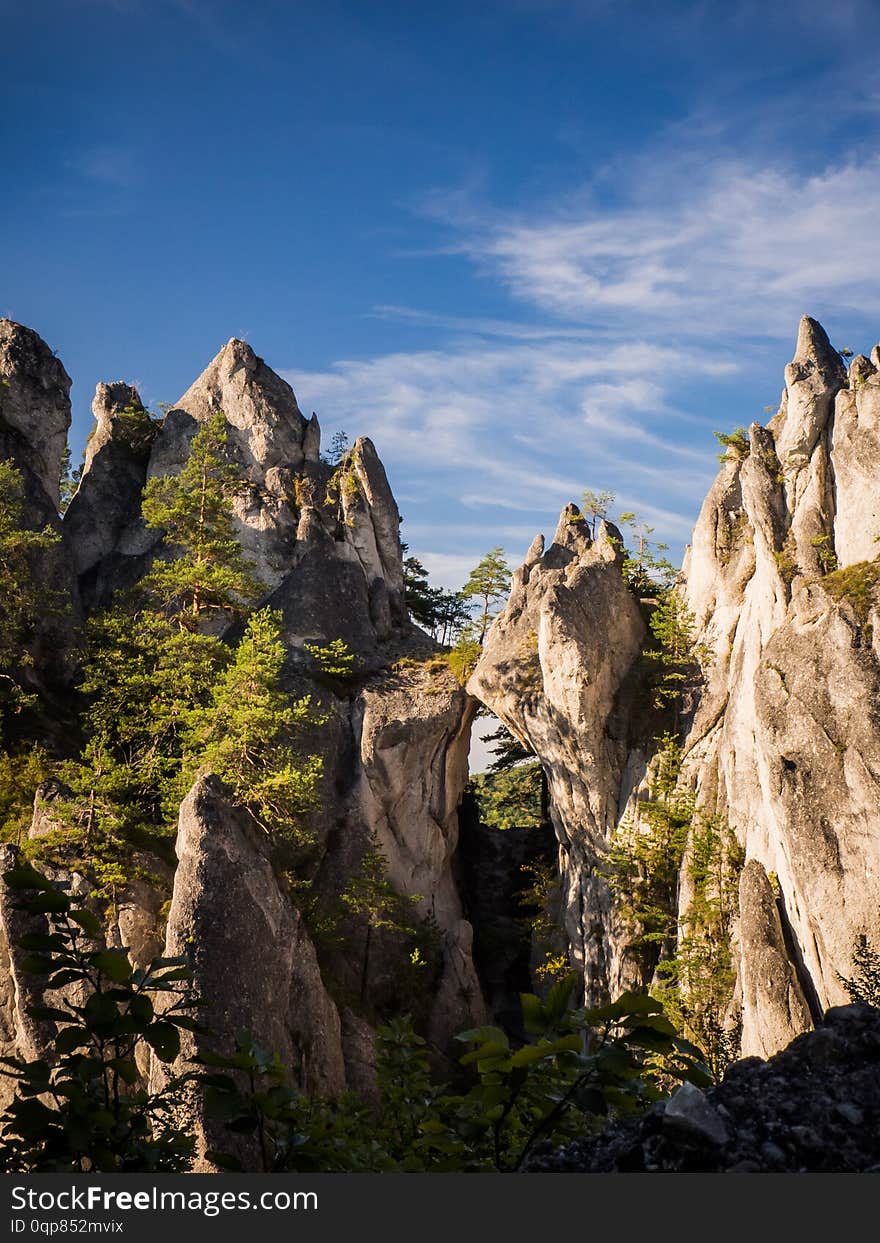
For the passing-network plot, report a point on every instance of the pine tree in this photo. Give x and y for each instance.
(208, 572)
(488, 582)
(247, 735)
(595, 505)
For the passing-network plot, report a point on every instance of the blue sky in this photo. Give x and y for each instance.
(527, 246)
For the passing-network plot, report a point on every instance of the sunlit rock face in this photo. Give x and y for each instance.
(551, 669)
(783, 740)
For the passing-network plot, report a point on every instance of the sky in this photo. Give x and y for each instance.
(527, 246)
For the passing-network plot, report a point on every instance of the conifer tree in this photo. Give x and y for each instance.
(208, 571)
(247, 735)
(488, 582)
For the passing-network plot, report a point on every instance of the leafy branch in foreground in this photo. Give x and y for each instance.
(85, 1107)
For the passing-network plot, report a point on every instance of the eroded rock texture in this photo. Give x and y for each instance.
(786, 741)
(324, 540)
(551, 669)
(782, 740)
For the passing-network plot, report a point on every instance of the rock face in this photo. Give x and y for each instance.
(786, 741)
(250, 956)
(551, 669)
(774, 1009)
(34, 418)
(107, 502)
(324, 540)
(34, 407)
(782, 740)
(813, 1108)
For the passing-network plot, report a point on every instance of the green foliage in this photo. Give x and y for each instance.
(247, 734)
(462, 658)
(736, 444)
(22, 599)
(646, 571)
(645, 856)
(577, 1067)
(207, 572)
(856, 585)
(377, 906)
(508, 750)
(786, 561)
(488, 583)
(512, 798)
(442, 613)
(699, 978)
(70, 478)
(595, 506)
(335, 660)
(864, 984)
(825, 553)
(21, 771)
(677, 657)
(85, 1108)
(339, 448)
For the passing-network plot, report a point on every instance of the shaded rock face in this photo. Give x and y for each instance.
(107, 502)
(774, 1009)
(551, 669)
(34, 407)
(250, 956)
(813, 1108)
(34, 418)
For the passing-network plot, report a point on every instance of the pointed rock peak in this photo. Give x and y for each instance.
(113, 398)
(34, 402)
(875, 356)
(573, 531)
(536, 551)
(813, 345)
(260, 407)
(860, 369)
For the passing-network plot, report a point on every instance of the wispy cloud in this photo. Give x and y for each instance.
(730, 247)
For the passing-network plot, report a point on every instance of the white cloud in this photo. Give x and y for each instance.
(704, 247)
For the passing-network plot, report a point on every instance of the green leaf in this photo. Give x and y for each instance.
(48, 1014)
(49, 902)
(164, 1039)
(113, 963)
(534, 1019)
(476, 1035)
(88, 921)
(224, 1161)
(71, 1038)
(24, 876)
(37, 964)
(125, 1069)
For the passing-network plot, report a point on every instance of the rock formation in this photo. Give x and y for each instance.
(323, 538)
(780, 737)
(783, 739)
(551, 669)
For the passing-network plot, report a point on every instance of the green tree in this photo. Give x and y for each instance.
(207, 572)
(370, 896)
(595, 505)
(489, 584)
(677, 657)
(70, 478)
(152, 668)
(645, 569)
(247, 735)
